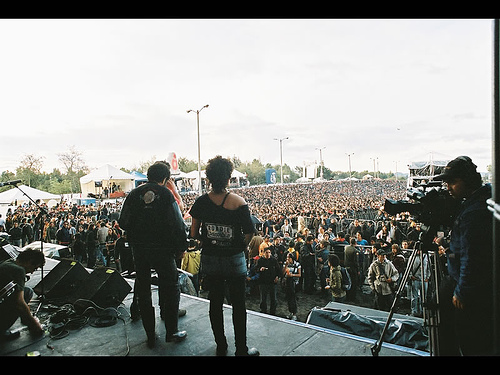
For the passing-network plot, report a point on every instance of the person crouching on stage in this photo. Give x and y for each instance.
(15, 305)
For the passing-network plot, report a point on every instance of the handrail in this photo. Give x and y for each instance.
(494, 208)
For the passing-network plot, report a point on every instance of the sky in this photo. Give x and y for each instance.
(380, 93)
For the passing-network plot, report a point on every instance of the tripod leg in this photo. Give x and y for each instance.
(377, 346)
(431, 308)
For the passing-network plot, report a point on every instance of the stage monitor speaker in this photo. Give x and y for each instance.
(62, 281)
(105, 287)
(7, 251)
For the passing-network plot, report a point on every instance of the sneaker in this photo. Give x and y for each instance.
(176, 337)
(252, 352)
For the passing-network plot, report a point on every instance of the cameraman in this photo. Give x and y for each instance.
(467, 294)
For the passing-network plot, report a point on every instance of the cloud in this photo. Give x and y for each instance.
(118, 90)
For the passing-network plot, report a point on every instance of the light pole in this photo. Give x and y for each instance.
(396, 161)
(199, 158)
(321, 161)
(281, 156)
(350, 173)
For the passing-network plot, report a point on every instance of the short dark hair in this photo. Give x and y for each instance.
(334, 260)
(31, 256)
(218, 172)
(158, 171)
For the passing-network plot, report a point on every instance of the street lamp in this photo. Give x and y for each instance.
(199, 158)
(350, 173)
(396, 161)
(321, 160)
(281, 156)
(374, 168)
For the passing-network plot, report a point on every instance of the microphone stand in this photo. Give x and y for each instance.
(41, 215)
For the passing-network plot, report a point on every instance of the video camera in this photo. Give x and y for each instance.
(430, 203)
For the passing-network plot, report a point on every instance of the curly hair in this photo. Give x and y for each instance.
(219, 172)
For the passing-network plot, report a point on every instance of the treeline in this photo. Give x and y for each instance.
(67, 179)
(256, 171)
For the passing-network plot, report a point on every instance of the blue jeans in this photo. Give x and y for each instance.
(416, 296)
(99, 253)
(231, 272)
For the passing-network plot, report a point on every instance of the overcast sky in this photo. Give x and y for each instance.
(118, 90)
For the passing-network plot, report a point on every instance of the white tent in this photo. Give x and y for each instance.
(15, 194)
(194, 175)
(106, 176)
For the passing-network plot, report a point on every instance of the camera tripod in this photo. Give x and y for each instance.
(430, 306)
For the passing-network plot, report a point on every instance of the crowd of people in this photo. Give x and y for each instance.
(330, 237)
(305, 227)
(90, 232)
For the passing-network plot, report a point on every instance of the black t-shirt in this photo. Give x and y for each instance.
(222, 230)
(10, 272)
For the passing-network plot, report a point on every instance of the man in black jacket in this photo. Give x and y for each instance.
(269, 272)
(158, 237)
(308, 261)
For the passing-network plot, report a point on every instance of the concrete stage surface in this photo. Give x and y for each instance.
(272, 336)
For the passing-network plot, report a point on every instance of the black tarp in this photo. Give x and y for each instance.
(403, 332)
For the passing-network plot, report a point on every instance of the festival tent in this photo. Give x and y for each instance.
(105, 176)
(139, 178)
(421, 172)
(194, 176)
(22, 193)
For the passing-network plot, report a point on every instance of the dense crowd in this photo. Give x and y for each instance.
(347, 198)
(314, 221)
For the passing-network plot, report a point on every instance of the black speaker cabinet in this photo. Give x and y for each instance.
(105, 287)
(62, 281)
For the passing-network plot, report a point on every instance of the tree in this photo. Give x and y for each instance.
(75, 167)
(72, 160)
(187, 165)
(256, 172)
(29, 168)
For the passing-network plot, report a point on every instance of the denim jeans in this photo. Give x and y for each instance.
(224, 266)
(416, 296)
(220, 272)
(99, 255)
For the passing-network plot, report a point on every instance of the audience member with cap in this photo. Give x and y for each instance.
(382, 275)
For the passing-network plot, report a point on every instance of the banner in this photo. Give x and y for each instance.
(174, 164)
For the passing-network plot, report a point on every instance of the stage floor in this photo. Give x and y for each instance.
(272, 336)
